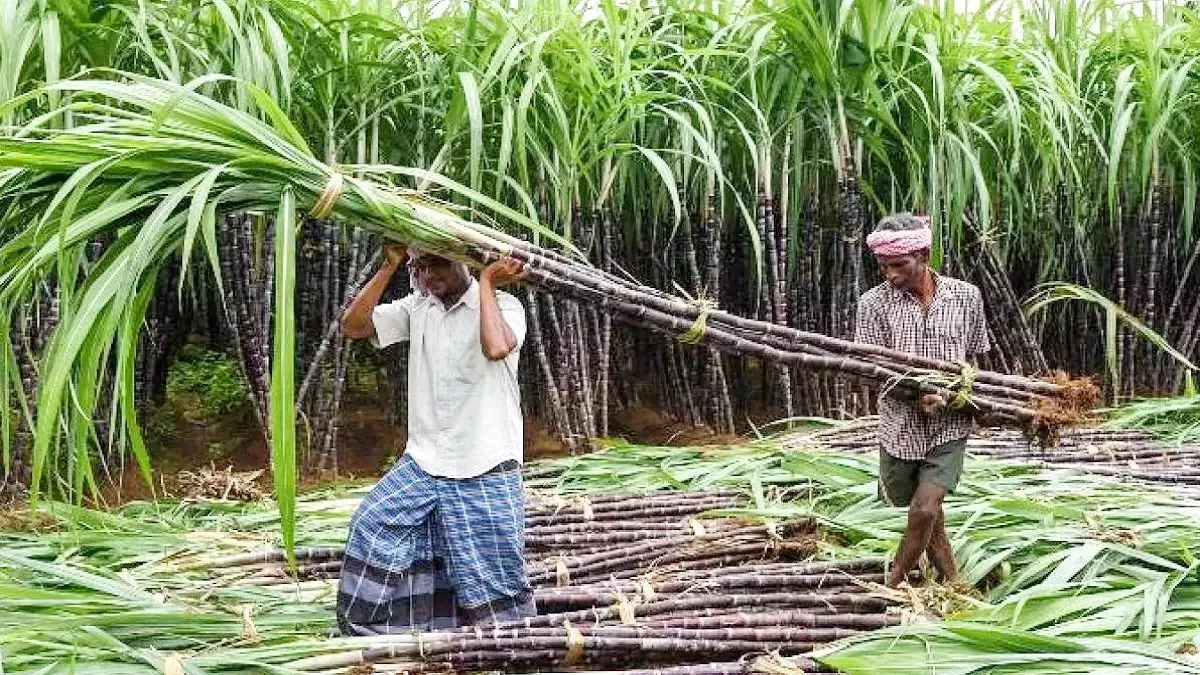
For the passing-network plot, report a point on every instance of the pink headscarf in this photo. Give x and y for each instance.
(900, 242)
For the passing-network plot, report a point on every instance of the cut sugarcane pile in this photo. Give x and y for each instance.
(1125, 453)
(627, 579)
(1100, 571)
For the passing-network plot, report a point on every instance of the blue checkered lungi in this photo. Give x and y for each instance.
(431, 553)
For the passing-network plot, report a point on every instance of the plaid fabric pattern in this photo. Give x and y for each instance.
(954, 329)
(432, 553)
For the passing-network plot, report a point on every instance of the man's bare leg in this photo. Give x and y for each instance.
(941, 554)
(923, 514)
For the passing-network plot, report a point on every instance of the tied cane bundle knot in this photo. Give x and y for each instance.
(625, 609)
(323, 207)
(248, 629)
(574, 644)
(964, 387)
(773, 663)
(562, 573)
(173, 664)
(646, 589)
(700, 326)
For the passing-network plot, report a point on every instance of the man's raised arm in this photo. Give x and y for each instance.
(497, 336)
(357, 323)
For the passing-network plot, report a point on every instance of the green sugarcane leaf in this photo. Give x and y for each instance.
(283, 356)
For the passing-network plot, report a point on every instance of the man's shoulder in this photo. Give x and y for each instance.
(876, 294)
(960, 287)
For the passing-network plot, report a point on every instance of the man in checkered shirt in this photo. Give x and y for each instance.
(922, 443)
(439, 541)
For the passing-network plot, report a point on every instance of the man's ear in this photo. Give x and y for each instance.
(923, 256)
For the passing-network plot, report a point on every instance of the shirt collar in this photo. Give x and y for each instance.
(939, 288)
(469, 298)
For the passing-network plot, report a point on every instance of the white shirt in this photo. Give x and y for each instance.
(464, 411)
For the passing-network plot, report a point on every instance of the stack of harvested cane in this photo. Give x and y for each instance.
(1034, 404)
(1126, 453)
(626, 580)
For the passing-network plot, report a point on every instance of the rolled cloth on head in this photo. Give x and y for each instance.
(899, 242)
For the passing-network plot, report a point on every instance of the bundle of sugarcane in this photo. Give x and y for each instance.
(1043, 405)
(1127, 453)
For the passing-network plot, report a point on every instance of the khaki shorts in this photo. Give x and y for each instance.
(899, 478)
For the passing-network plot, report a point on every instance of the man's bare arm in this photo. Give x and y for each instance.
(496, 337)
(357, 323)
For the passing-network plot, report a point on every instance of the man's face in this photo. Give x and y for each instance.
(903, 271)
(439, 276)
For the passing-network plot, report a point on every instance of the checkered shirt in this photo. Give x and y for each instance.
(954, 329)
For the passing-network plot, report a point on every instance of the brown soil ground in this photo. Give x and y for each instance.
(368, 445)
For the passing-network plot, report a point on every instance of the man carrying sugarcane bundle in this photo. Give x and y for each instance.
(439, 541)
(922, 443)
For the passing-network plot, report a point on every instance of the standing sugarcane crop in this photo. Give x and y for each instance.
(922, 443)
(439, 541)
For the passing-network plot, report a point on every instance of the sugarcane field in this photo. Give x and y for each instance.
(660, 337)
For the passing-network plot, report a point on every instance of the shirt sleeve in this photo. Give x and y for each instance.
(392, 321)
(514, 315)
(977, 336)
(868, 324)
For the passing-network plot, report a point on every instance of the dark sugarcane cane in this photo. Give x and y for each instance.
(233, 270)
(677, 511)
(583, 285)
(662, 321)
(637, 315)
(1023, 343)
(712, 556)
(672, 496)
(331, 329)
(716, 384)
(583, 359)
(1153, 267)
(857, 603)
(606, 262)
(775, 256)
(861, 622)
(1175, 322)
(691, 266)
(556, 411)
(1123, 338)
(778, 635)
(341, 355)
(630, 502)
(560, 599)
(574, 437)
(630, 565)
